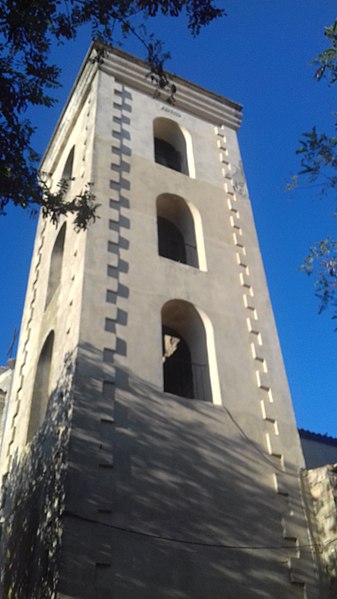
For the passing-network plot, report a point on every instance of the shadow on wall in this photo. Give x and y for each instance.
(32, 503)
(167, 497)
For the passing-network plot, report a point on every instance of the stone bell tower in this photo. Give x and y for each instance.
(153, 332)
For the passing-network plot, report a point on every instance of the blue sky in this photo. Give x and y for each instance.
(258, 55)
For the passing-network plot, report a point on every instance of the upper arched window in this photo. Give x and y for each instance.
(167, 155)
(173, 146)
(55, 268)
(67, 172)
(41, 387)
(185, 355)
(176, 231)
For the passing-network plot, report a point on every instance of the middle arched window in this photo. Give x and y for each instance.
(176, 230)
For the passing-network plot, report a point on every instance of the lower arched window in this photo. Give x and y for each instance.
(185, 355)
(41, 387)
(178, 369)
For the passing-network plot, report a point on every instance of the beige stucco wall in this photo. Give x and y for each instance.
(62, 314)
(173, 467)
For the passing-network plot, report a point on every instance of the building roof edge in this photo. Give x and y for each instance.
(304, 434)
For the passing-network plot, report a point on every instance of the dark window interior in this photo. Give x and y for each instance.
(55, 269)
(167, 155)
(170, 241)
(68, 167)
(178, 373)
(41, 385)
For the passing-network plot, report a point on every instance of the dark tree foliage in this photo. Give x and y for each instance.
(33, 500)
(318, 152)
(27, 30)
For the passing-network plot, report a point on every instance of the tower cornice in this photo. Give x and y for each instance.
(192, 98)
(133, 71)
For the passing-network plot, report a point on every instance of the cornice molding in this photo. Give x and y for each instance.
(191, 98)
(133, 71)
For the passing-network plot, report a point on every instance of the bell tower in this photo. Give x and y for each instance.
(149, 358)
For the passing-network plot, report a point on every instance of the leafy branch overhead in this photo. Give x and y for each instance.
(318, 154)
(326, 61)
(322, 262)
(27, 32)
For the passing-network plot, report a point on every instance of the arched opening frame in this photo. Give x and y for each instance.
(55, 267)
(41, 390)
(180, 235)
(67, 172)
(173, 146)
(182, 321)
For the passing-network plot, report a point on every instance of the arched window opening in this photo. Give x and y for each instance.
(2, 406)
(170, 241)
(41, 387)
(68, 167)
(185, 355)
(167, 155)
(177, 369)
(170, 147)
(176, 233)
(55, 268)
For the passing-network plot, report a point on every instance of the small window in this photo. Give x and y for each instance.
(41, 387)
(171, 243)
(176, 234)
(68, 167)
(167, 155)
(2, 404)
(173, 146)
(177, 364)
(185, 354)
(55, 268)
